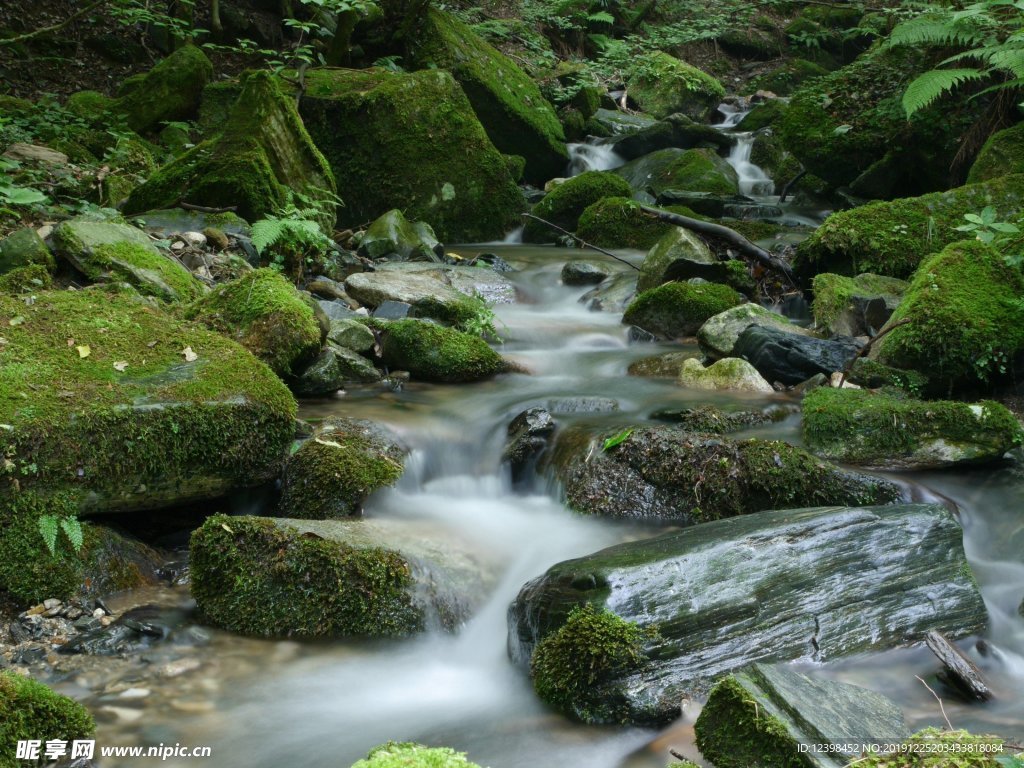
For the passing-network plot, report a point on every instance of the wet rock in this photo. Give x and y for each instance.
(855, 306)
(567, 405)
(422, 293)
(682, 252)
(728, 373)
(351, 334)
(337, 310)
(712, 420)
(717, 336)
(712, 204)
(134, 631)
(24, 248)
(792, 358)
(613, 295)
(580, 272)
(392, 236)
(529, 435)
(334, 368)
(813, 584)
(665, 366)
(694, 170)
(675, 310)
(677, 131)
(430, 352)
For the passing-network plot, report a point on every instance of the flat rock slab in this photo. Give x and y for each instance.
(814, 584)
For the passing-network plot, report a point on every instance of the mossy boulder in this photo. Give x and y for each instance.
(679, 309)
(677, 131)
(30, 710)
(427, 295)
(892, 238)
(107, 252)
(885, 431)
(1002, 154)
(331, 370)
(730, 373)
(517, 118)
(931, 748)
(618, 222)
(332, 474)
(564, 204)
(688, 170)
(431, 352)
(259, 160)
(22, 248)
(678, 249)
(410, 141)
(265, 314)
(763, 115)
(273, 577)
(35, 277)
(394, 236)
(409, 755)
(169, 91)
(667, 474)
(718, 336)
(786, 78)
(663, 85)
(139, 411)
(966, 325)
(855, 306)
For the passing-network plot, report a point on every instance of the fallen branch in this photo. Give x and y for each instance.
(789, 184)
(53, 27)
(942, 709)
(730, 236)
(207, 209)
(867, 348)
(580, 240)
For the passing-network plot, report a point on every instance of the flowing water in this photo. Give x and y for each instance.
(264, 704)
(592, 157)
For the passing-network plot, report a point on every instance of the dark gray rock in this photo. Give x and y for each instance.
(791, 358)
(674, 131)
(580, 272)
(331, 370)
(529, 435)
(392, 310)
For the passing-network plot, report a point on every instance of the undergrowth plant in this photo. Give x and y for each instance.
(291, 239)
(50, 527)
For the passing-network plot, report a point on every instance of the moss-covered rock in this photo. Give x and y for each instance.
(332, 474)
(690, 170)
(783, 80)
(260, 159)
(140, 411)
(107, 252)
(23, 248)
(392, 235)
(729, 373)
(432, 352)
(272, 577)
(679, 309)
(517, 118)
(677, 131)
(1002, 154)
(564, 204)
(663, 85)
(891, 238)
(932, 748)
(889, 432)
(169, 91)
(678, 249)
(427, 295)
(30, 710)
(854, 306)
(966, 323)
(410, 141)
(266, 315)
(719, 334)
(763, 115)
(618, 222)
(35, 277)
(409, 755)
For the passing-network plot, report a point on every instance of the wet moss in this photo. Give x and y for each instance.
(432, 352)
(565, 203)
(932, 748)
(764, 114)
(786, 78)
(23, 248)
(618, 222)
(663, 85)
(35, 277)
(266, 315)
(31, 710)
(257, 577)
(152, 274)
(409, 755)
(833, 293)
(592, 647)
(1002, 154)
(169, 91)
(679, 309)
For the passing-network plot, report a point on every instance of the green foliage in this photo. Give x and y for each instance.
(617, 439)
(51, 525)
(479, 320)
(985, 227)
(292, 238)
(409, 755)
(31, 710)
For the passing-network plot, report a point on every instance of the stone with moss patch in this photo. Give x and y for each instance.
(410, 141)
(169, 91)
(1002, 154)
(35, 277)
(933, 748)
(730, 373)
(663, 85)
(966, 322)
(30, 710)
(334, 473)
(431, 352)
(565, 203)
(763, 115)
(685, 170)
(618, 222)
(392, 235)
(719, 334)
(23, 248)
(855, 306)
(409, 755)
(266, 315)
(678, 251)
(787, 77)
(679, 309)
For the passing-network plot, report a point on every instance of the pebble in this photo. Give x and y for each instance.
(99, 613)
(179, 667)
(123, 714)
(195, 239)
(193, 707)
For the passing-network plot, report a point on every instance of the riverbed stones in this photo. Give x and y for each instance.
(529, 435)
(667, 474)
(305, 579)
(764, 714)
(717, 336)
(814, 584)
(792, 358)
(729, 373)
(883, 431)
(679, 309)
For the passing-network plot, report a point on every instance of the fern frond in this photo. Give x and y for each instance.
(73, 530)
(936, 30)
(1010, 59)
(48, 528)
(929, 86)
(266, 232)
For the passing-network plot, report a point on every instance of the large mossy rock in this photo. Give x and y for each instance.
(24, 248)
(30, 711)
(265, 314)
(673, 310)
(565, 204)
(729, 373)
(431, 352)
(892, 238)
(517, 118)
(766, 715)
(1002, 154)
(718, 336)
(775, 586)
(668, 474)
(260, 159)
(663, 85)
(677, 131)
(409, 755)
(966, 322)
(678, 248)
(410, 141)
(887, 432)
(139, 411)
(394, 236)
(855, 306)
(276, 577)
(686, 170)
(619, 222)
(170, 91)
(108, 252)
(332, 474)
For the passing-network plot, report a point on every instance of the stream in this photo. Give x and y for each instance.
(264, 704)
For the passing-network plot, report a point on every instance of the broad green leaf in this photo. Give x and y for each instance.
(617, 439)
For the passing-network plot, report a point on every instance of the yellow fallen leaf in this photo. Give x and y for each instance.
(120, 365)
(84, 351)
(189, 354)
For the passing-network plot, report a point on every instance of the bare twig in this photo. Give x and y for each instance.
(580, 240)
(789, 184)
(941, 708)
(53, 27)
(207, 209)
(867, 348)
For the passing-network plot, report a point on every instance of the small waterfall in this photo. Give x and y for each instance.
(592, 157)
(731, 115)
(753, 180)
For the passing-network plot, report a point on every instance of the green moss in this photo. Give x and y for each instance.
(565, 203)
(409, 755)
(784, 79)
(663, 85)
(590, 648)
(170, 91)
(618, 222)
(28, 572)
(410, 141)
(23, 248)
(35, 277)
(1002, 154)
(873, 374)
(832, 293)
(89, 105)
(215, 105)
(763, 115)
(332, 477)
(254, 576)
(266, 315)
(691, 170)
(891, 238)
(152, 274)
(434, 353)
(30, 710)
(966, 324)
(679, 309)
(861, 427)
(932, 748)
(517, 118)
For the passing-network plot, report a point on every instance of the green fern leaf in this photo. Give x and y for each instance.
(601, 17)
(929, 86)
(936, 30)
(48, 528)
(265, 233)
(1010, 59)
(73, 530)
